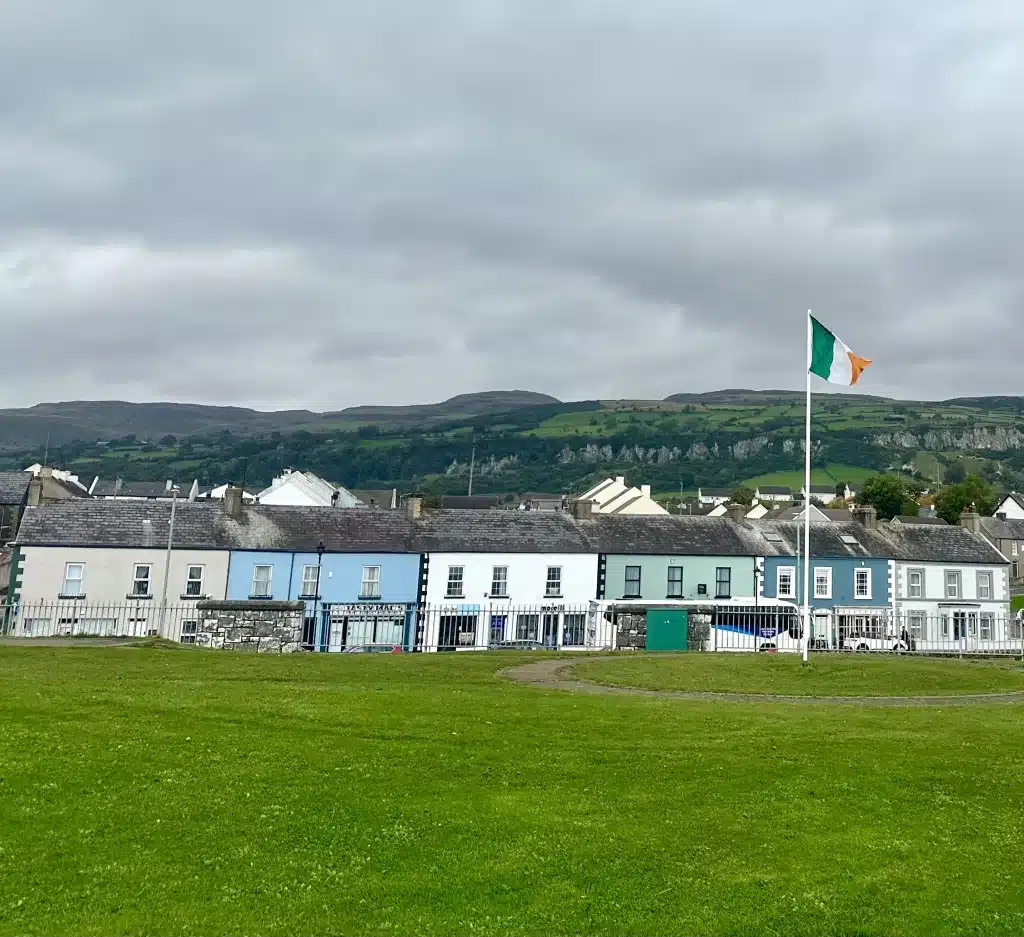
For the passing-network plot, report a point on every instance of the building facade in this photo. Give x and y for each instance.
(351, 599)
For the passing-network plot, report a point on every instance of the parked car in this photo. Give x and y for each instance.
(516, 646)
(374, 649)
(863, 643)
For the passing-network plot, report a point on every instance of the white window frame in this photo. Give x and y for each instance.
(68, 580)
(626, 587)
(189, 630)
(911, 573)
(985, 576)
(669, 594)
(309, 582)
(147, 579)
(727, 580)
(857, 574)
(456, 585)
(958, 593)
(790, 593)
(269, 582)
(986, 622)
(917, 624)
(827, 572)
(553, 583)
(499, 583)
(369, 587)
(1013, 547)
(189, 581)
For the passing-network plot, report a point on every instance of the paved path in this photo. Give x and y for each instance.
(557, 675)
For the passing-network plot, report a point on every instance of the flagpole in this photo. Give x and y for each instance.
(807, 502)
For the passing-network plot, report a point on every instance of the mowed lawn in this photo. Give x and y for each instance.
(188, 792)
(825, 675)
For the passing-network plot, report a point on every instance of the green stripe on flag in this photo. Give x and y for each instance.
(823, 344)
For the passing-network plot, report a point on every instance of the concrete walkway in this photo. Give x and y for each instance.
(557, 675)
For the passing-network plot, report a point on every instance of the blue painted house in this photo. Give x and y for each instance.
(851, 572)
(356, 569)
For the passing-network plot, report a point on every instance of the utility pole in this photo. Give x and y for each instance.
(472, 466)
(167, 562)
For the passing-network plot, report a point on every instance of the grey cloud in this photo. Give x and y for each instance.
(335, 203)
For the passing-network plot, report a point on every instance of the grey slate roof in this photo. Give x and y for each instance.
(931, 544)
(379, 497)
(110, 489)
(917, 519)
(826, 539)
(14, 487)
(504, 531)
(473, 502)
(672, 535)
(774, 490)
(206, 525)
(1003, 530)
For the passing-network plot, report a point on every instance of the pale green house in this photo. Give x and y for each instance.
(674, 557)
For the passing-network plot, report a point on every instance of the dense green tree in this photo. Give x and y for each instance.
(971, 492)
(889, 495)
(743, 495)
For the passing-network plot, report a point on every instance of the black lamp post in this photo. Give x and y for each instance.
(320, 548)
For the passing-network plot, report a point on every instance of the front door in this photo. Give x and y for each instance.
(550, 630)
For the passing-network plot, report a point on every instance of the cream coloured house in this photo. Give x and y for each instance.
(614, 496)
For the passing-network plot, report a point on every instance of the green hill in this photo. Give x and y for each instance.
(527, 441)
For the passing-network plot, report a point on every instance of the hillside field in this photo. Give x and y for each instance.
(183, 791)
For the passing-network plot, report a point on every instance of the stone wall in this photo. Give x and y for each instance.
(250, 625)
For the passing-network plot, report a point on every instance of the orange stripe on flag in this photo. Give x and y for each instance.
(857, 366)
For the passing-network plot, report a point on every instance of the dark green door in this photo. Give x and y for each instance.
(666, 629)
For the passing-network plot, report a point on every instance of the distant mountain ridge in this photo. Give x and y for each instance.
(113, 419)
(85, 420)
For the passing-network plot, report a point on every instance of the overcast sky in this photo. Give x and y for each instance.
(328, 202)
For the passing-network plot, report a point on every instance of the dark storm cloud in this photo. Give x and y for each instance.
(331, 203)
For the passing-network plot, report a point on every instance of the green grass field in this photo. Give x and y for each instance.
(827, 675)
(830, 475)
(163, 791)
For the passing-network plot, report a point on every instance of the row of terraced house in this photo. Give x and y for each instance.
(429, 579)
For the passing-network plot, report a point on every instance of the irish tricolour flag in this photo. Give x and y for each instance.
(831, 359)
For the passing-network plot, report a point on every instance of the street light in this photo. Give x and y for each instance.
(320, 549)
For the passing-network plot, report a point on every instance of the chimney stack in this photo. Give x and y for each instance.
(736, 512)
(971, 519)
(169, 485)
(621, 479)
(35, 492)
(414, 508)
(583, 510)
(645, 490)
(866, 515)
(233, 500)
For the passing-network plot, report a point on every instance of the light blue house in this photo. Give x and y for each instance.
(851, 571)
(356, 569)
